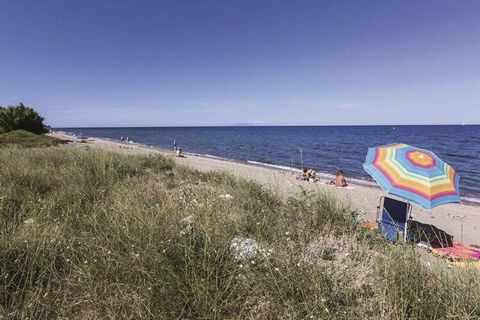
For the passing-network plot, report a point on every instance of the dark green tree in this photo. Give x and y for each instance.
(21, 117)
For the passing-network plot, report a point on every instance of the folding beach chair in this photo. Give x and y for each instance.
(392, 218)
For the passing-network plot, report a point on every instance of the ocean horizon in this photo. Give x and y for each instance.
(327, 148)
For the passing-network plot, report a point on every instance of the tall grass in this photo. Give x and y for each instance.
(96, 235)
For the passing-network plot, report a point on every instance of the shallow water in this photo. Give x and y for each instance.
(326, 149)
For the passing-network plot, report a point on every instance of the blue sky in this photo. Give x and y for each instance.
(163, 63)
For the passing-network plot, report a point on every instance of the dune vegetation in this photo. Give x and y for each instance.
(87, 234)
(24, 138)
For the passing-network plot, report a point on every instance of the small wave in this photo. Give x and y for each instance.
(273, 166)
(216, 157)
(363, 182)
(471, 200)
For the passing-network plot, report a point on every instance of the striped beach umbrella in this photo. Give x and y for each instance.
(414, 174)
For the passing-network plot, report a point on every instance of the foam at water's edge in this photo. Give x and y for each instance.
(215, 157)
(273, 166)
(471, 200)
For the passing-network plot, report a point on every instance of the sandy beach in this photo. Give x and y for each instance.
(460, 220)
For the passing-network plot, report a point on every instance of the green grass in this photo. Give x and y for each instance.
(96, 235)
(27, 139)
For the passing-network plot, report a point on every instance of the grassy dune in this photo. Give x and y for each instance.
(96, 235)
(27, 139)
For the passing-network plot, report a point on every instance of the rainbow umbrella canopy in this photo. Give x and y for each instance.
(414, 174)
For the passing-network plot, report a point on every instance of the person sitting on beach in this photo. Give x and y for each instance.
(339, 180)
(303, 175)
(307, 175)
(178, 153)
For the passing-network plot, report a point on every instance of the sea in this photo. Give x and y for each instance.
(324, 148)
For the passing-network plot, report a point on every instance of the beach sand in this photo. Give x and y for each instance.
(460, 220)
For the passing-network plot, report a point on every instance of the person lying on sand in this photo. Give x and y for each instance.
(339, 180)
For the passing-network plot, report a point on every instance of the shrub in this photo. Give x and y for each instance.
(27, 139)
(21, 117)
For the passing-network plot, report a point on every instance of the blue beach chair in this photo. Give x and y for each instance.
(392, 219)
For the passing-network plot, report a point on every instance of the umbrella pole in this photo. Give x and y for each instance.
(461, 233)
(409, 212)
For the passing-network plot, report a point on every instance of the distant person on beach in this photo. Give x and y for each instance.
(307, 175)
(339, 180)
(122, 138)
(303, 175)
(312, 175)
(178, 152)
(174, 145)
(127, 139)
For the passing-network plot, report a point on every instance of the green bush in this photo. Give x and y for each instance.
(21, 117)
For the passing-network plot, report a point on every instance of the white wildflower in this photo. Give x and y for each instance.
(226, 196)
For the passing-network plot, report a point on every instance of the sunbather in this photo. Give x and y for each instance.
(303, 175)
(307, 175)
(339, 180)
(312, 175)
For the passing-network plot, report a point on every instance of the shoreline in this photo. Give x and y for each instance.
(461, 220)
(471, 200)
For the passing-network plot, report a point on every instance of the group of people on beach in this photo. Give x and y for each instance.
(311, 175)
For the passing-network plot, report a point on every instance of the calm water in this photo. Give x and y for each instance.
(326, 149)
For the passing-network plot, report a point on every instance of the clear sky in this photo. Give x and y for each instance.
(161, 63)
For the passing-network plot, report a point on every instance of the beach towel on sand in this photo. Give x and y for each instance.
(458, 251)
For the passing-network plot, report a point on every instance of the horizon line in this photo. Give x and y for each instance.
(264, 125)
